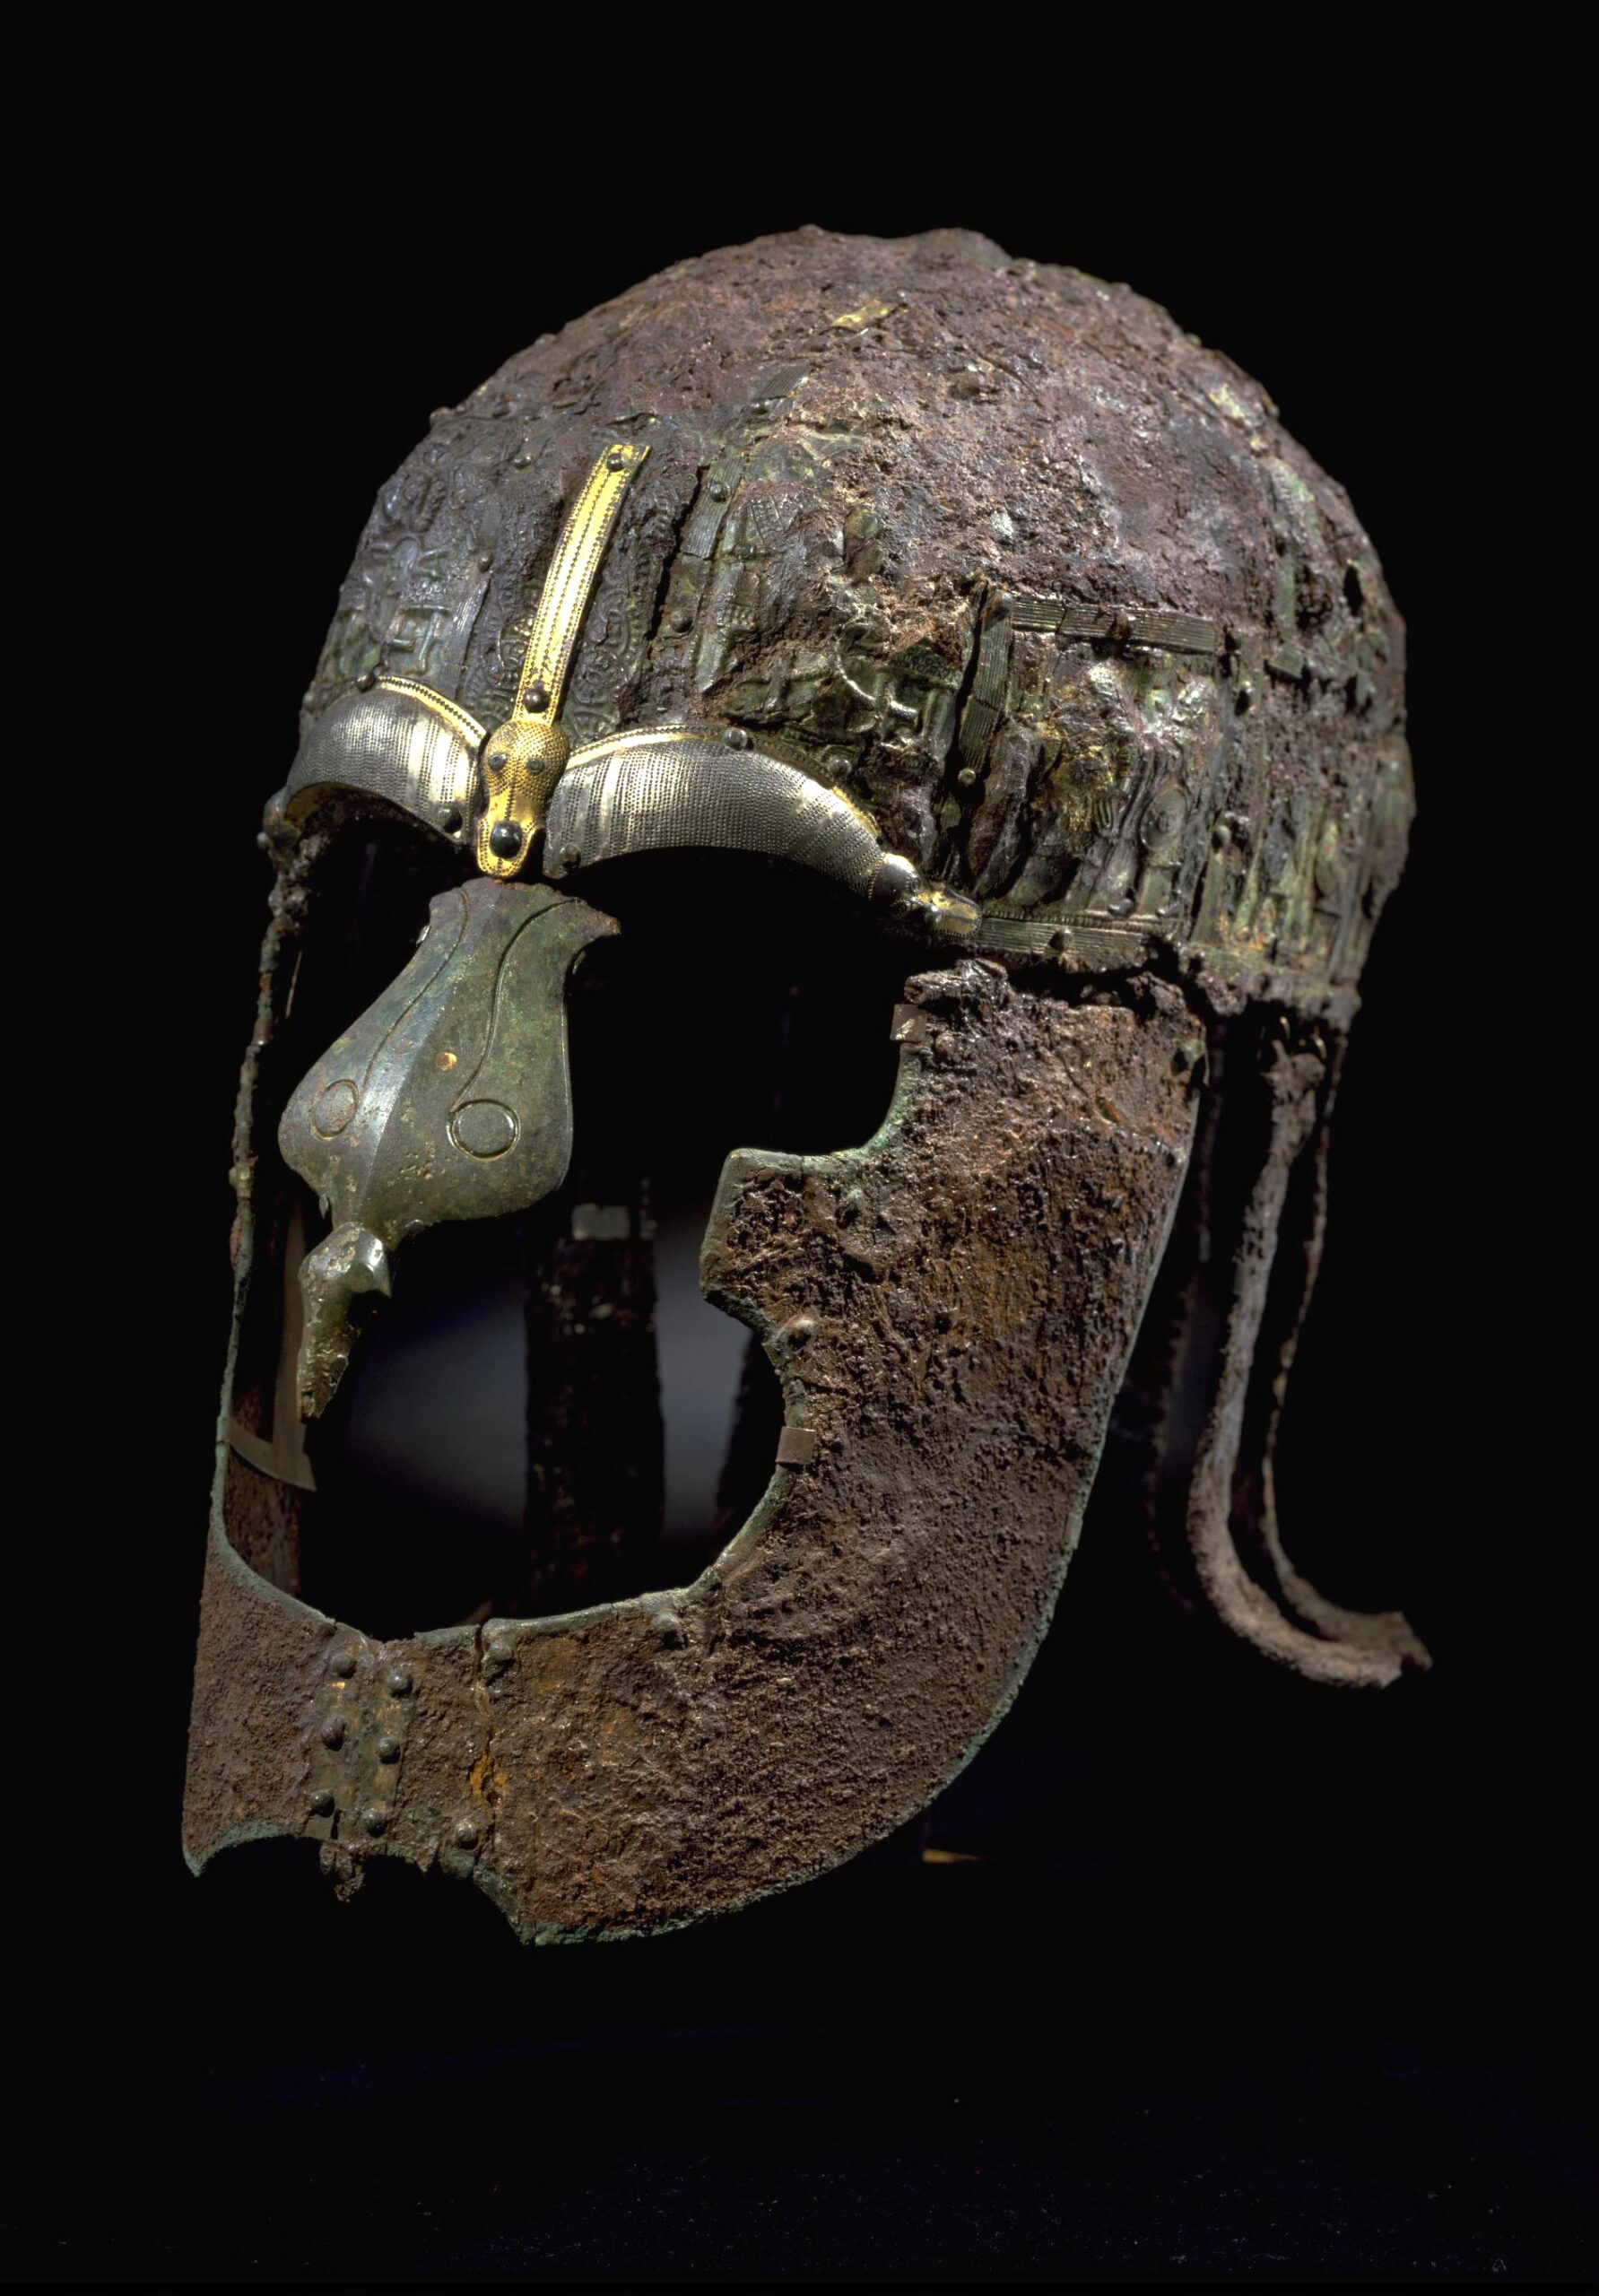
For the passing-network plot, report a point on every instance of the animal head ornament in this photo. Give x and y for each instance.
(947, 620)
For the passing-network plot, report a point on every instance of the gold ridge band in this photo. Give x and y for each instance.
(571, 579)
(523, 759)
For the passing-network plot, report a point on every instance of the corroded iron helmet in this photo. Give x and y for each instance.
(957, 621)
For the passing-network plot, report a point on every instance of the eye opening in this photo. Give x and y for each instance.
(746, 1001)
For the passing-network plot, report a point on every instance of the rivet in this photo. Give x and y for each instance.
(321, 1803)
(1061, 939)
(505, 838)
(335, 1107)
(570, 856)
(896, 879)
(966, 778)
(374, 1821)
(537, 696)
(450, 820)
(485, 560)
(366, 681)
(682, 620)
(343, 1662)
(499, 1652)
(717, 490)
(498, 759)
(466, 1833)
(736, 738)
(521, 459)
(616, 459)
(388, 1749)
(333, 1731)
(399, 1680)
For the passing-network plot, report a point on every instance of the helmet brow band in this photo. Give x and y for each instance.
(675, 789)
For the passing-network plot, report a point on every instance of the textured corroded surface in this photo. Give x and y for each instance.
(1024, 569)
(1040, 585)
(950, 1309)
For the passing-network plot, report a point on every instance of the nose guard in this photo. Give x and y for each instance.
(949, 1310)
(448, 1100)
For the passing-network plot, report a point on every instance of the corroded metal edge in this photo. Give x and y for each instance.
(637, 1766)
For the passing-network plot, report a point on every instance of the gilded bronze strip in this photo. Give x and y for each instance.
(523, 759)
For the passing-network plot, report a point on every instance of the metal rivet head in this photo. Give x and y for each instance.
(374, 1821)
(571, 857)
(335, 1109)
(466, 1833)
(485, 560)
(966, 778)
(505, 838)
(616, 459)
(896, 879)
(388, 1749)
(537, 696)
(399, 1680)
(1061, 939)
(717, 490)
(366, 681)
(498, 759)
(450, 820)
(333, 1731)
(500, 1651)
(344, 1661)
(321, 1803)
(736, 738)
(682, 619)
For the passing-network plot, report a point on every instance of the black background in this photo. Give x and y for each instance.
(1236, 1977)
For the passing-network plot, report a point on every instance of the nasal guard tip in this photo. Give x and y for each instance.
(351, 1263)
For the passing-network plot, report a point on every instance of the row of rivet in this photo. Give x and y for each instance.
(333, 1733)
(341, 1726)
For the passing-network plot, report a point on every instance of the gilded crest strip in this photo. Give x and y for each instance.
(523, 759)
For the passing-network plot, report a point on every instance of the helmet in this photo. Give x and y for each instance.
(935, 618)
